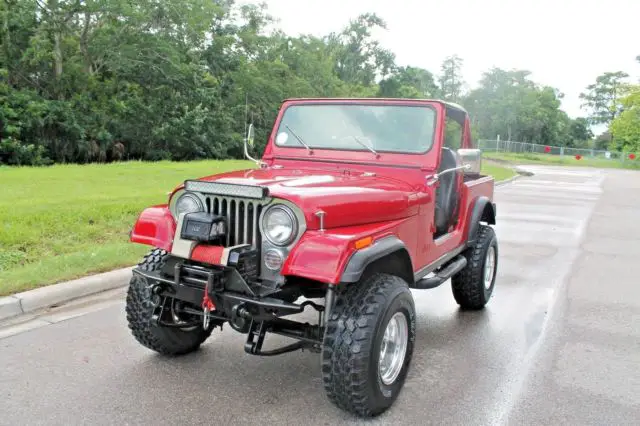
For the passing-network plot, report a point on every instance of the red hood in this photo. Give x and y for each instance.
(347, 198)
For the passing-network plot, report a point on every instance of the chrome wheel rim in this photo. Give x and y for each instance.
(393, 348)
(489, 267)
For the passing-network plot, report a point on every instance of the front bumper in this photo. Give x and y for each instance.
(230, 292)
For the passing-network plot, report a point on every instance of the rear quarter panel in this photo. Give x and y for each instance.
(472, 190)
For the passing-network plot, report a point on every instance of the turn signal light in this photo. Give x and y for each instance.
(363, 242)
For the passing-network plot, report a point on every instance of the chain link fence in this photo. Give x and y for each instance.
(496, 145)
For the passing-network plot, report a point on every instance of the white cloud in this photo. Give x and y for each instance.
(564, 43)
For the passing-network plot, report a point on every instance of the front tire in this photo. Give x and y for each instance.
(473, 286)
(140, 308)
(368, 344)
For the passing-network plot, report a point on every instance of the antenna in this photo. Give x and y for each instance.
(246, 110)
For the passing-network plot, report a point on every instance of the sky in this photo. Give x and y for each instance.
(564, 43)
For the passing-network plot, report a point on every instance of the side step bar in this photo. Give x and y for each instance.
(443, 275)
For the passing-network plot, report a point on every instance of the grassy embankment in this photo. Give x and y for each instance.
(66, 221)
(567, 160)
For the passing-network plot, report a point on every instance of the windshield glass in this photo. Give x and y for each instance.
(383, 128)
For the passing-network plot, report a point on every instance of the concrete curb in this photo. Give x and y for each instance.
(523, 171)
(56, 294)
(506, 181)
(520, 172)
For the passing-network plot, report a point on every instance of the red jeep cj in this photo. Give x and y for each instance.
(354, 202)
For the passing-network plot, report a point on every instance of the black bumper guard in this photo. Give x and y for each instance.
(228, 290)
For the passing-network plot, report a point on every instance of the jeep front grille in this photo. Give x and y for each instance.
(242, 217)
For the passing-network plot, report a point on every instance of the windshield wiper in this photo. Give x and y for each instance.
(298, 138)
(365, 145)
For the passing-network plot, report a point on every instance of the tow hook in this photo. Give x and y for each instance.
(158, 309)
(156, 290)
(207, 306)
(240, 319)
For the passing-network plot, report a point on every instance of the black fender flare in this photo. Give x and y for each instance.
(484, 210)
(359, 260)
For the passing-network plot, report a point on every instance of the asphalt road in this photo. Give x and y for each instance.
(558, 344)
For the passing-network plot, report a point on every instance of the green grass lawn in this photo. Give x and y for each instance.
(66, 221)
(567, 160)
(498, 172)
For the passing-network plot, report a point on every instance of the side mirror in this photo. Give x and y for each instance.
(250, 135)
(248, 142)
(472, 160)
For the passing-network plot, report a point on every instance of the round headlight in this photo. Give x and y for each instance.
(187, 203)
(280, 225)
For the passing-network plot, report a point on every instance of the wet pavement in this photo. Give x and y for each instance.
(559, 343)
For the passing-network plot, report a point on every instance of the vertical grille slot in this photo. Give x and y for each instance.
(225, 213)
(250, 222)
(242, 218)
(235, 211)
(256, 226)
(216, 205)
(245, 221)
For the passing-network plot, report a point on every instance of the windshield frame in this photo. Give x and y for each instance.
(357, 148)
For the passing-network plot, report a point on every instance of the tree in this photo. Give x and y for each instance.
(579, 132)
(625, 128)
(495, 105)
(105, 80)
(409, 82)
(451, 78)
(602, 141)
(359, 59)
(602, 98)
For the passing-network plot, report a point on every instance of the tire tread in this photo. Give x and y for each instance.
(348, 339)
(468, 285)
(139, 309)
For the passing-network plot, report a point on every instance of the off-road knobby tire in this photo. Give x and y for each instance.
(468, 284)
(139, 309)
(351, 346)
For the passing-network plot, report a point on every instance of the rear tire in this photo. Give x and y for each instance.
(356, 338)
(140, 308)
(473, 286)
